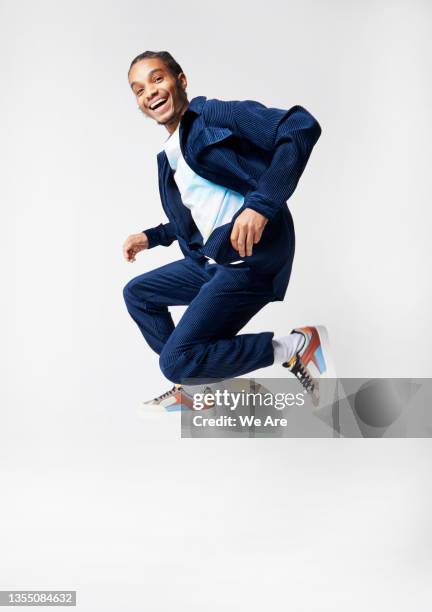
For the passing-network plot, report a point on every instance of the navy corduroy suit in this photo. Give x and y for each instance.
(261, 153)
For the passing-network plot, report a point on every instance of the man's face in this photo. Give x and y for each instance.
(159, 94)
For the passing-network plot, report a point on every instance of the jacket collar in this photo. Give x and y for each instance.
(207, 135)
(196, 104)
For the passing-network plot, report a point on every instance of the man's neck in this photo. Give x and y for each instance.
(172, 126)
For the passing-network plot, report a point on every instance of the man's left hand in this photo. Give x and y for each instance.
(247, 231)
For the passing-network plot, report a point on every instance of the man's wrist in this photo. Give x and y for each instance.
(264, 207)
(151, 237)
(257, 212)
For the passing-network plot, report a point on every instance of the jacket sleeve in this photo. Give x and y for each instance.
(289, 134)
(163, 234)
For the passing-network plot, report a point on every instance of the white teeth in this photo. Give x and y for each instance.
(157, 102)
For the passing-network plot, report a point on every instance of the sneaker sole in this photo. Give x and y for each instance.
(144, 408)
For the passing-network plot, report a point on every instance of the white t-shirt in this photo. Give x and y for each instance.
(211, 205)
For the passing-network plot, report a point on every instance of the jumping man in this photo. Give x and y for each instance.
(226, 171)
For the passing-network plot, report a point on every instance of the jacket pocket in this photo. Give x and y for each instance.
(208, 137)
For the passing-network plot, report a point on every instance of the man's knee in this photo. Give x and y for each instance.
(135, 290)
(128, 291)
(176, 365)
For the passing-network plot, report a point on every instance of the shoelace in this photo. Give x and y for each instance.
(167, 394)
(299, 370)
(174, 390)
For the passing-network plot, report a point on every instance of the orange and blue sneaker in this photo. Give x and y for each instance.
(174, 400)
(313, 360)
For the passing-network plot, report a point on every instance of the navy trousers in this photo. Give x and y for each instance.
(204, 344)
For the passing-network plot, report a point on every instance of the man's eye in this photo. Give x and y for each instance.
(139, 92)
(158, 78)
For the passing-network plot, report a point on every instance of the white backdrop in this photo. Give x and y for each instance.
(121, 509)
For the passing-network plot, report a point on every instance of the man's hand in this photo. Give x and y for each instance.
(133, 245)
(247, 231)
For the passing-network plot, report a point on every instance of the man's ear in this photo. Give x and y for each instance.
(183, 80)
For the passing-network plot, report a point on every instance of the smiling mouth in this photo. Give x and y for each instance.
(161, 105)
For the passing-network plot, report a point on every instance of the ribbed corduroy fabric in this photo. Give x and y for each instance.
(205, 344)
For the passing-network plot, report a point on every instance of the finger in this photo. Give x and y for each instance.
(249, 242)
(234, 237)
(241, 242)
(258, 234)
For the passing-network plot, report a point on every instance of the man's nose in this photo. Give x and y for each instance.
(151, 94)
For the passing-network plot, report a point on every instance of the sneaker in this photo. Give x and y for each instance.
(174, 400)
(313, 360)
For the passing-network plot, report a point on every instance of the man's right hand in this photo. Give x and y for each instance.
(134, 244)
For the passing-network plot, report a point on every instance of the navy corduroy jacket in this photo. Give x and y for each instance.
(257, 151)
